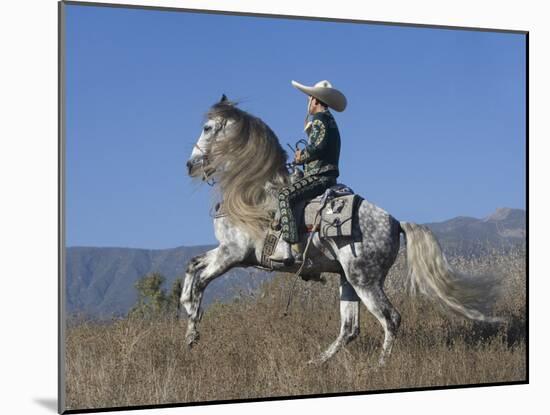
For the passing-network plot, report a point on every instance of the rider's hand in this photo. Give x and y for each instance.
(297, 156)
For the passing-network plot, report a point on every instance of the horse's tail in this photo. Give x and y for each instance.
(430, 273)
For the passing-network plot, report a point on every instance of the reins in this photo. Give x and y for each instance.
(201, 161)
(304, 255)
(297, 274)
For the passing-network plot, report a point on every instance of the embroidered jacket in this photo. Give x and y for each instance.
(322, 153)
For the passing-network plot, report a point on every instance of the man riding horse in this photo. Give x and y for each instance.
(247, 161)
(320, 159)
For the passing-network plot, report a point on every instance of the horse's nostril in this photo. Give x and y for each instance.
(189, 166)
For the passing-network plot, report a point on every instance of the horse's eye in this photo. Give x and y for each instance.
(207, 128)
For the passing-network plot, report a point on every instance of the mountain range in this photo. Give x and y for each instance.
(100, 281)
(504, 229)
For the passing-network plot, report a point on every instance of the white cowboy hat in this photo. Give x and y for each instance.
(324, 91)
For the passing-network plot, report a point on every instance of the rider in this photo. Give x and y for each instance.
(320, 160)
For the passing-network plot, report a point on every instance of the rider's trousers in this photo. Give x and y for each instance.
(306, 188)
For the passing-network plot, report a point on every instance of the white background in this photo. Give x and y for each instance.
(28, 215)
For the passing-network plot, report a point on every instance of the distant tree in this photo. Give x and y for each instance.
(173, 306)
(153, 300)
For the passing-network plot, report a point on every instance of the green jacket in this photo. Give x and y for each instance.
(322, 153)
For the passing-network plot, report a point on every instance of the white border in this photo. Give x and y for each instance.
(28, 171)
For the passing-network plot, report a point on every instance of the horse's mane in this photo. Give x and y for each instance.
(249, 163)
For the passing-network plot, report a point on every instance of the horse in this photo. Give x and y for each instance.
(241, 156)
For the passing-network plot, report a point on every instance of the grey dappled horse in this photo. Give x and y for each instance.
(243, 157)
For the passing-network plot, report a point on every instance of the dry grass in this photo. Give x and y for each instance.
(249, 350)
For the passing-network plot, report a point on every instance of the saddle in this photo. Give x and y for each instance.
(331, 214)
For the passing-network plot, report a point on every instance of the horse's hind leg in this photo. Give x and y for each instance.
(372, 294)
(349, 322)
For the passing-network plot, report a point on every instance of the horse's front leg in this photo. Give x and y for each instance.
(191, 297)
(200, 271)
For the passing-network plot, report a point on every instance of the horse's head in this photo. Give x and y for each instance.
(213, 129)
(244, 157)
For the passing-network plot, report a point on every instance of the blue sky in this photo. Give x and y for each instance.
(435, 125)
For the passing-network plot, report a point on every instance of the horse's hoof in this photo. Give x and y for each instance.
(381, 363)
(192, 339)
(318, 361)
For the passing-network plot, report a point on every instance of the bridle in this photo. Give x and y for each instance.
(202, 164)
(202, 161)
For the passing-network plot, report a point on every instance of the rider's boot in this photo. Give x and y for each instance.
(298, 251)
(283, 255)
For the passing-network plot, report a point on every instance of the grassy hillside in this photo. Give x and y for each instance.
(249, 350)
(100, 281)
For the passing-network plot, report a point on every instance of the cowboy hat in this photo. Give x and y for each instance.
(324, 92)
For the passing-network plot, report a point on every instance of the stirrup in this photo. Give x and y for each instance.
(297, 251)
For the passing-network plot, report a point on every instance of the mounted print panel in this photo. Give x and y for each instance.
(262, 207)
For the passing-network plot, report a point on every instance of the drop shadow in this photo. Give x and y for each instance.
(48, 403)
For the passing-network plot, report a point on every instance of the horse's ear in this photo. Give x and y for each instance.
(223, 98)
